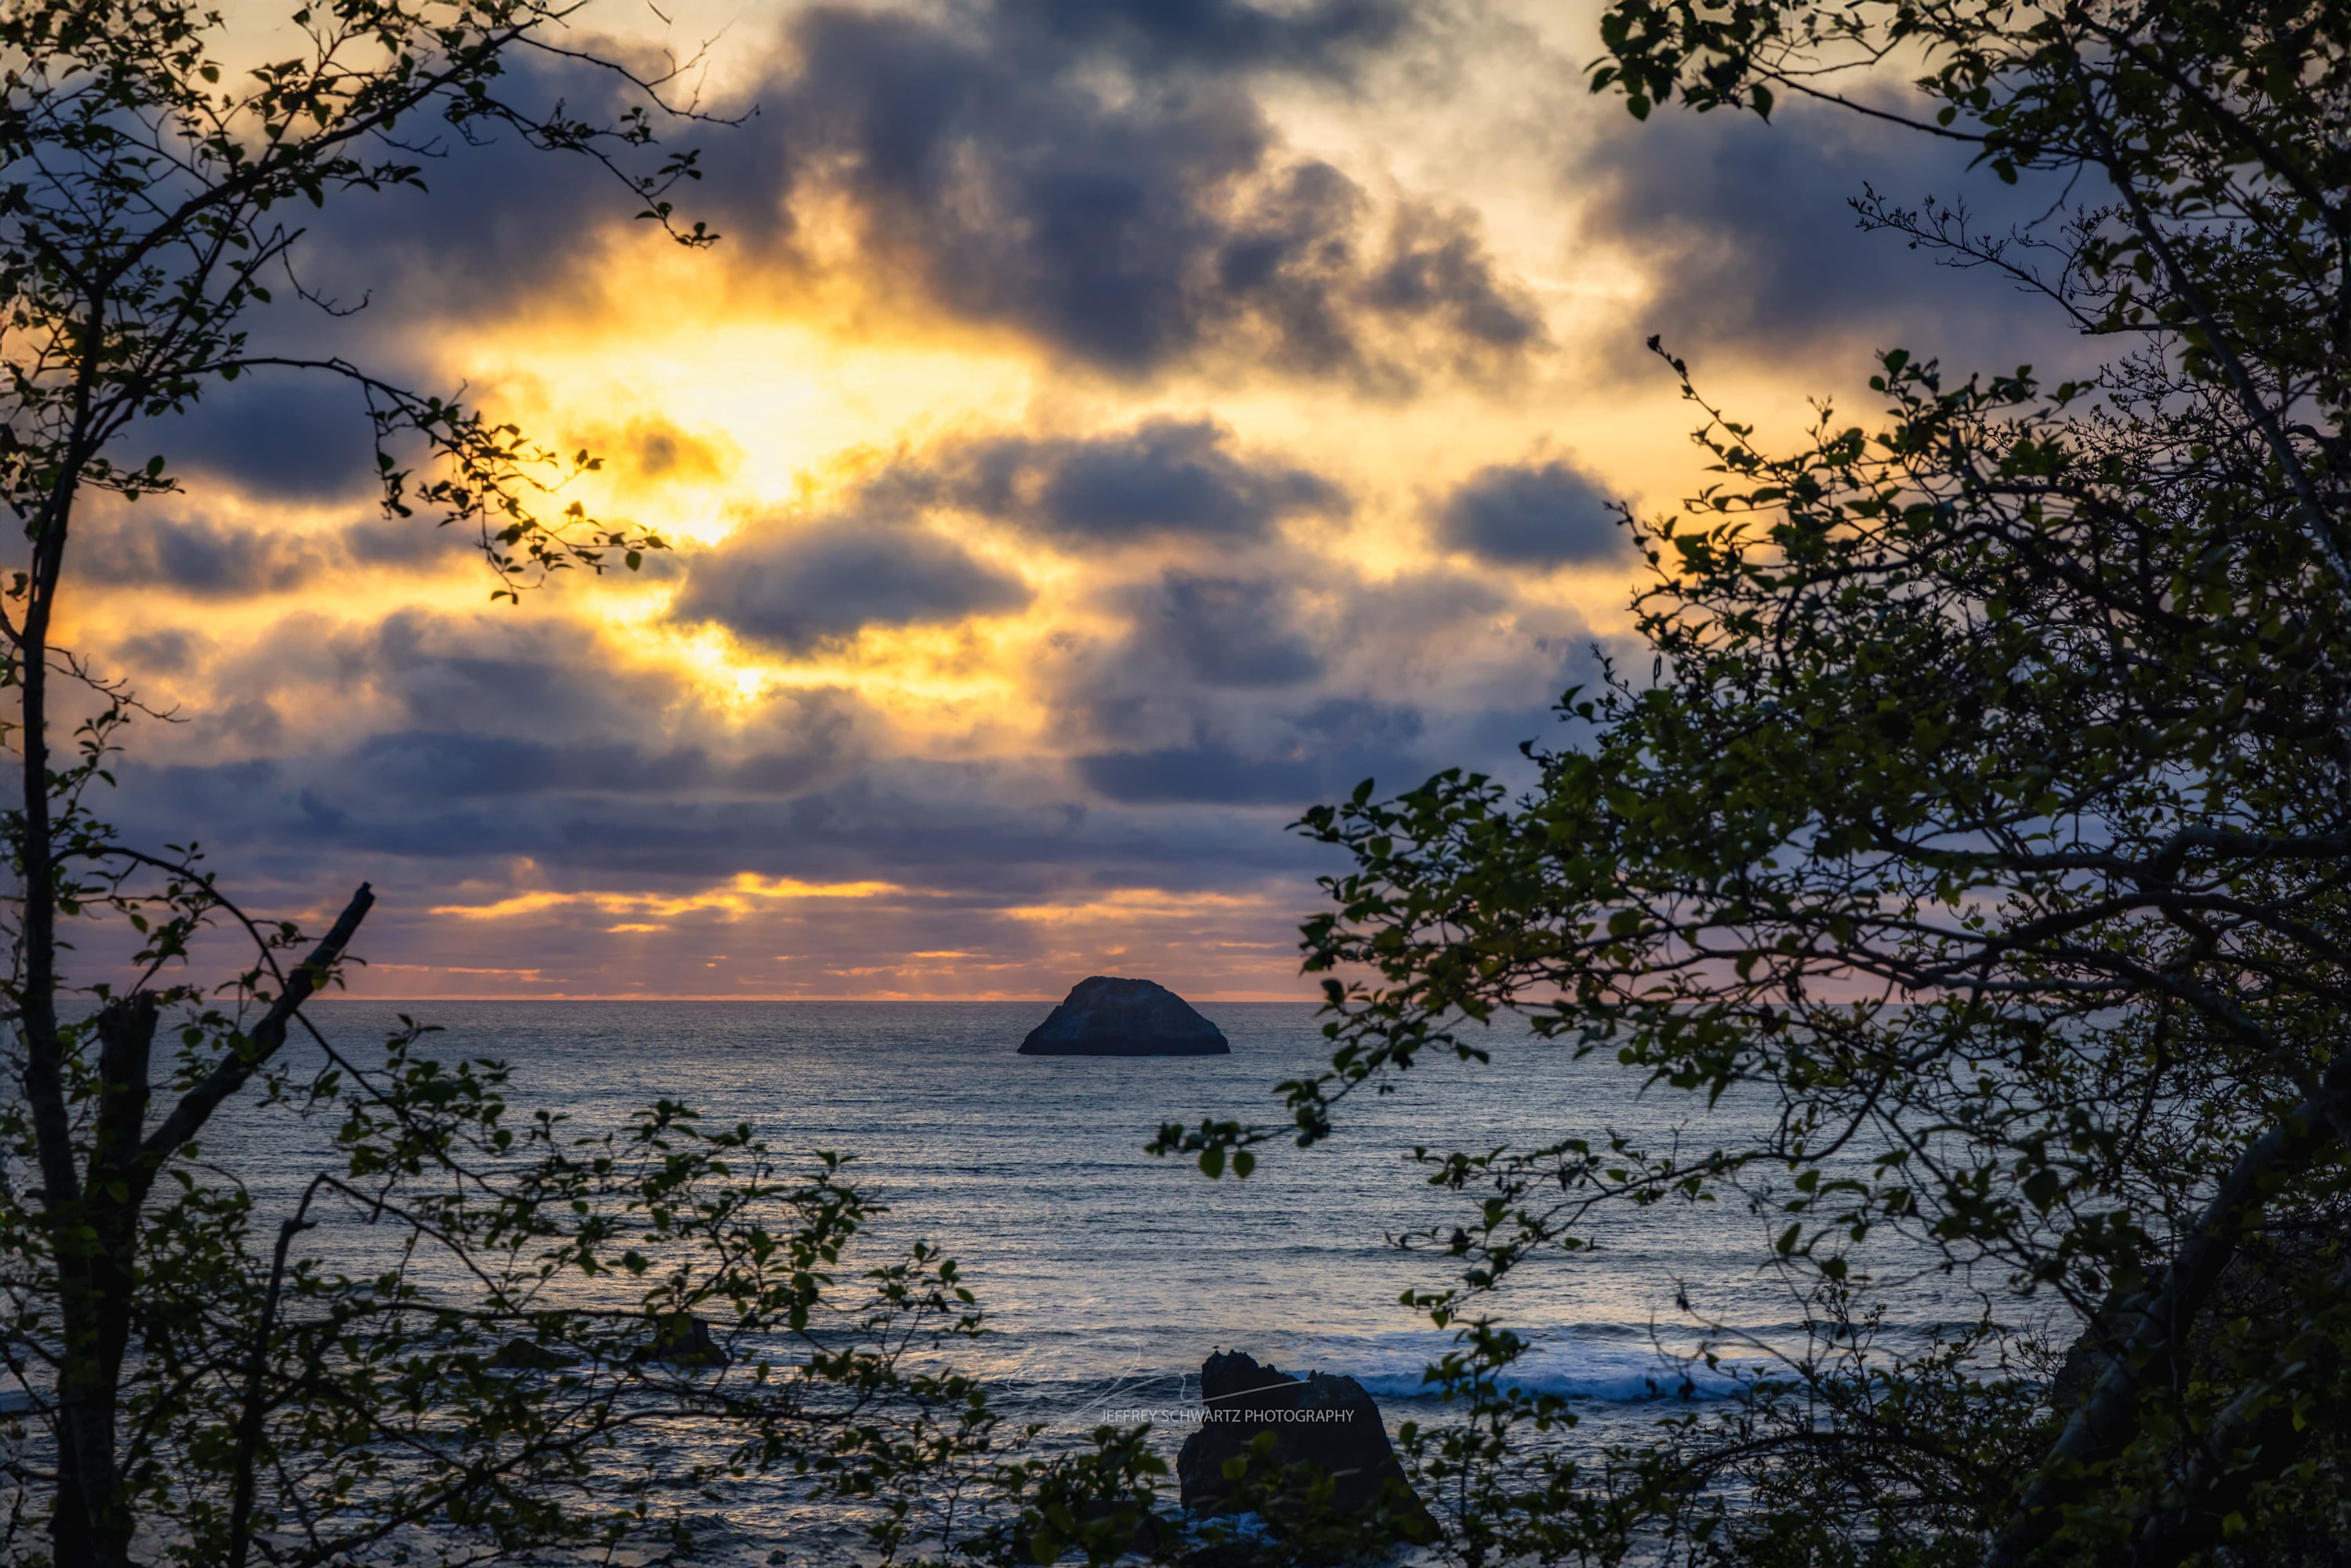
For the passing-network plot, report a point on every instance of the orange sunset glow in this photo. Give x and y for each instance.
(1096, 438)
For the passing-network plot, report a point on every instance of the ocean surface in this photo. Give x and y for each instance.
(1108, 1274)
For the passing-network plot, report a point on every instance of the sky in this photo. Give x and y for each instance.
(1104, 429)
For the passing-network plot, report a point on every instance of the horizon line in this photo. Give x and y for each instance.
(710, 997)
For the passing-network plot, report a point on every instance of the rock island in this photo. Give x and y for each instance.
(1108, 1017)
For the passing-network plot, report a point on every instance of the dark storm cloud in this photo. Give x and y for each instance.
(519, 737)
(975, 831)
(1422, 609)
(535, 678)
(1222, 632)
(495, 227)
(169, 648)
(425, 764)
(1165, 478)
(494, 224)
(533, 712)
(1322, 39)
(1236, 691)
(796, 588)
(1306, 767)
(1436, 269)
(1320, 752)
(1221, 658)
(492, 738)
(1206, 773)
(404, 541)
(1127, 222)
(280, 435)
(1541, 515)
(415, 766)
(143, 548)
(1097, 177)
(1748, 233)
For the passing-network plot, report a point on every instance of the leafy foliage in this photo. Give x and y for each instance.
(1983, 813)
(449, 1348)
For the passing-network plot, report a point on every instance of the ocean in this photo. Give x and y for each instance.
(1108, 1274)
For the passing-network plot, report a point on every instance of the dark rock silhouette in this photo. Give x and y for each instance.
(1320, 1426)
(681, 1339)
(1107, 1017)
(530, 1356)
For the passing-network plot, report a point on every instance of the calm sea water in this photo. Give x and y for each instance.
(1107, 1274)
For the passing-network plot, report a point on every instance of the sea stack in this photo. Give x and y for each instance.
(1108, 1017)
(1321, 1427)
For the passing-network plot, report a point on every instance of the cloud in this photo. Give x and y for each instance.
(1247, 688)
(522, 763)
(408, 541)
(1541, 515)
(445, 739)
(1223, 632)
(1209, 774)
(147, 547)
(1748, 233)
(1164, 478)
(437, 673)
(1321, 751)
(1097, 176)
(166, 647)
(1127, 219)
(1233, 657)
(1094, 198)
(1436, 268)
(497, 224)
(455, 764)
(793, 589)
(1322, 39)
(128, 546)
(988, 833)
(277, 434)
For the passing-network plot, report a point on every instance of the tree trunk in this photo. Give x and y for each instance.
(2157, 1320)
(99, 1279)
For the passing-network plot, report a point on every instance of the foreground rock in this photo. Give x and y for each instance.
(1107, 1017)
(530, 1356)
(1321, 1426)
(681, 1339)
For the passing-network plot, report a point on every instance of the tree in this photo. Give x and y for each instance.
(452, 1387)
(1984, 814)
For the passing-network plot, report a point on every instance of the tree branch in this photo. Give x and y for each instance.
(267, 1037)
